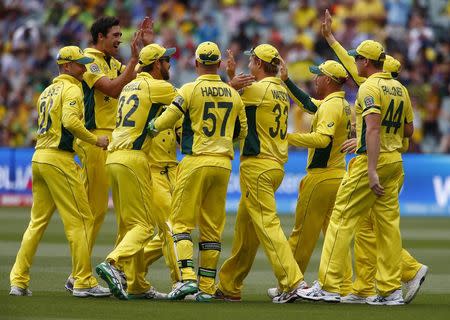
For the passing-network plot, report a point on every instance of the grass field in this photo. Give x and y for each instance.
(428, 239)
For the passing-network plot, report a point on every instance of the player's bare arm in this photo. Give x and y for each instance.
(113, 87)
(326, 28)
(373, 124)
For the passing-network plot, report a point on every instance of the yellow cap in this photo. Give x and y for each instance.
(208, 53)
(369, 49)
(331, 69)
(391, 64)
(72, 54)
(265, 52)
(152, 52)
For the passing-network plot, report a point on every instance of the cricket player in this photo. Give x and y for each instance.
(263, 154)
(371, 182)
(326, 163)
(130, 175)
(102, 84)
(56, 178)
(413, 272)
(210, 108)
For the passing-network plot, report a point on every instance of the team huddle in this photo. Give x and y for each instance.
(125, 123)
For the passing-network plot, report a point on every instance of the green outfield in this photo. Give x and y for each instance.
(428, 239)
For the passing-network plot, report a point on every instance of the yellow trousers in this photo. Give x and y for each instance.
(163, 179)
(366, 257)
(199, 200)
(353, 202)
(316, 197)
(95, 178)
(129, 173)
(257, 221)
(57, 185)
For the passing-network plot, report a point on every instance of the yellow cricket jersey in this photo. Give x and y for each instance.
(267, 108)
(331, 119)
(100, 109)
(211, 109)
(383, 95)
(140, 101)
(60, 109)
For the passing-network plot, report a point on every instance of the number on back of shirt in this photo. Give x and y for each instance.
(44, 119)
(131, 104)
(210, 118)
(393, 119)
(280, 125)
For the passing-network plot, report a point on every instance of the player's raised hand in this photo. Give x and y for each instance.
(283, 70)
(231, 65)
(374, 183)
(326, 24)
(134, 45)
(147, 35)
(349, 146)
(241, 81)
(102, 142)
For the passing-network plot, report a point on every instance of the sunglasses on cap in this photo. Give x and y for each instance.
(167, 59)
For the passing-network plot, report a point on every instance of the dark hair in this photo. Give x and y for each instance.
(271, 68)
(148, 68)
(377, 64)
(102, 25)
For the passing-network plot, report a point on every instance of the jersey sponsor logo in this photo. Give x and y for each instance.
(94, 68)
(330, 124)
(369, 101)
(178, 100)
(72, 103)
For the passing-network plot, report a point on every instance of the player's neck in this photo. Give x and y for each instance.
(99, 46)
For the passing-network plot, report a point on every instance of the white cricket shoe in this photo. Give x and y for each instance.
(290, 296)
(273, 292)
(394, 299)
(412, 287)
(353, 298)
(97, 292)
(316, 293)
(17, 291)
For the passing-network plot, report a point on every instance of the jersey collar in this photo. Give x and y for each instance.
(271, 79)
(144, 75)
(337, 94)
(382, 75)
(66, 77)
(94, 51)
(214, 77)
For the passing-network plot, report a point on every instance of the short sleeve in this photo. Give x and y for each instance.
(369, 99)
(93, 74)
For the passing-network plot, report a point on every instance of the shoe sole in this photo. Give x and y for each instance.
(416, 290)
(113, 287)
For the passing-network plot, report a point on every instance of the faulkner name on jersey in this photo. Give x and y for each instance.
(393, 91)
(216, 92)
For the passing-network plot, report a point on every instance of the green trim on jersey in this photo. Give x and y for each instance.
(137, 144)
(66, 142)
(89, 107)
(252, 145)
(321, 156)
(187, 137)
(363, 148)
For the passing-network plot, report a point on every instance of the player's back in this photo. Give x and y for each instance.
(388, 97)
(51, 133)
(332, 119)
(140, 101)
(212, 108)
(267, 109)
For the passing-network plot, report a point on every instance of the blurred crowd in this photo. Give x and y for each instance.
(416, 32)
